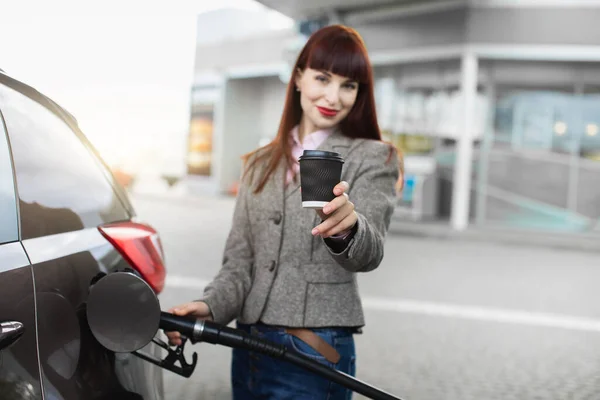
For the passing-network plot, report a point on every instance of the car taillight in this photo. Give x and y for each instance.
(140, 245)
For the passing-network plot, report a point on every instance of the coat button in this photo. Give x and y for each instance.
(277, 218)
(272, 266)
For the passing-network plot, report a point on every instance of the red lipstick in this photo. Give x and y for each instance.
(327, 112)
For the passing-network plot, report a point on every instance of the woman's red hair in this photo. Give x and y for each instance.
(340, 50)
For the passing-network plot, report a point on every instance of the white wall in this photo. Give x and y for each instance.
(272, 99)
(251, 109)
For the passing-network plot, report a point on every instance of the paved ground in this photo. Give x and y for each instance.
(446, 319)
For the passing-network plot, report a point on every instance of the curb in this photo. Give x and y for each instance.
(589, 242)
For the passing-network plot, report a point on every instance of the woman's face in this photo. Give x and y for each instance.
(326, 98)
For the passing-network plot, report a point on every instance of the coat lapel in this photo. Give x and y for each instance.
(336, 142)
(278, 182)
(293, 186)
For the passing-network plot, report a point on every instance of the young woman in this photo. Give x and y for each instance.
(289, 274)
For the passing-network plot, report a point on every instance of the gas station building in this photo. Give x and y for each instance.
(494, 103)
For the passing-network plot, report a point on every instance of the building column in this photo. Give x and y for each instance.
(459, 217)
(487, 143)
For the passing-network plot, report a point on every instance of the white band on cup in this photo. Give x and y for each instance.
(314, 204)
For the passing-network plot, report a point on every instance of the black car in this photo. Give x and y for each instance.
(64, 221)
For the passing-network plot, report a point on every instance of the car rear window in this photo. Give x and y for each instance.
(61, 186)
(8, 206)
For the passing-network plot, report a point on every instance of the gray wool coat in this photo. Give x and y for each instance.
(276, 272)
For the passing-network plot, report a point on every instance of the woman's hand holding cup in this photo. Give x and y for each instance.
(338, 215)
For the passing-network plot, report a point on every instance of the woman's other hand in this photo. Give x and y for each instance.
(198, 309)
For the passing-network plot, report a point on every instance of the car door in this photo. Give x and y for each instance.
(63, 197)
(19, 368)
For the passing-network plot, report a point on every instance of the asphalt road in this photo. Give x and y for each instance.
(446, 319)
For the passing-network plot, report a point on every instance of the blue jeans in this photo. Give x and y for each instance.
(256, 376)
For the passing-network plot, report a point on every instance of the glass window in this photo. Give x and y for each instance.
(540, 164)
(8, 208)
(61, 186)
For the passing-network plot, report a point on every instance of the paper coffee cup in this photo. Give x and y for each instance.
(320, 172)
